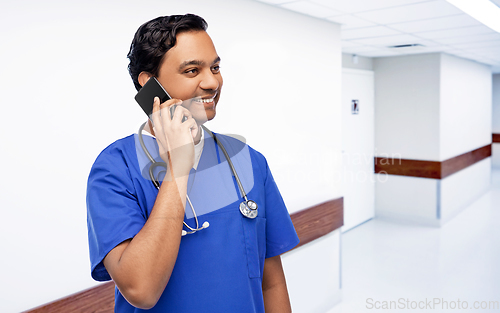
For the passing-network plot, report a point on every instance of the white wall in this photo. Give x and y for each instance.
(431, 107)
(465, 106)
(325, 269)
(465, 125)
(363, 63)
(496, 104)
(407, 199)
(495, 153)
(407, 106)
(459, 190)
(66, 95)
(358, 145)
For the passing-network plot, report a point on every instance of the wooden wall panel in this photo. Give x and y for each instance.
(462, 161)
(100, 299)
(319, 220)
(407, 167)
(431, 169)
(496, 138)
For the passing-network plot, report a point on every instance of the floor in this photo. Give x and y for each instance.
(395, 268)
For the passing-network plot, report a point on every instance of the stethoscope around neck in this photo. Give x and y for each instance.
(248, 208)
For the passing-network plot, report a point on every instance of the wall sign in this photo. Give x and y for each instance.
(355, 107)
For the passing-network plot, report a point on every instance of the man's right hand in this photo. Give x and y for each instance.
(174, 137)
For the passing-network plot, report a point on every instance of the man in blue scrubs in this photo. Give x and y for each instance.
(135, 228)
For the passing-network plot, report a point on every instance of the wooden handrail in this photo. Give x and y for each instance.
(431, 169)
(495, 138)
(100, 299)
(318, 221)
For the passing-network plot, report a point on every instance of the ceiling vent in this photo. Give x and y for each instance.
(407, 48)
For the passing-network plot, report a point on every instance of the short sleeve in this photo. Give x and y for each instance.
(113, 212)
(280, 232)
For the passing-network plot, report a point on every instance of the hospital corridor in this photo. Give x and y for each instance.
(335, 156)
(424, 268)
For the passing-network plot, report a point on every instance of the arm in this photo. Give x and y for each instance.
(276, 298)
(141, 267)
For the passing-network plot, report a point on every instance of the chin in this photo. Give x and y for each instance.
(209, 114)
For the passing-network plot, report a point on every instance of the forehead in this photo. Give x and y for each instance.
(193, 45)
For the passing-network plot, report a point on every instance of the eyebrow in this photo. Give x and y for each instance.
(196, 62)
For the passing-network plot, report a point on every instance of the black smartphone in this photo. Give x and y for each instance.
(146, 95)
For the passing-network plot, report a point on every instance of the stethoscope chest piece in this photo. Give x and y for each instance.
(249, 209)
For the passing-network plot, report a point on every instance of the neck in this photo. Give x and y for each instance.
(149, 129)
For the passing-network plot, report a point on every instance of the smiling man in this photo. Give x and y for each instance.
(139, 233)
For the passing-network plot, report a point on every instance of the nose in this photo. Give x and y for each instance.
(209, 81)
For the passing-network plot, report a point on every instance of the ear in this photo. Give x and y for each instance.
(144, 77)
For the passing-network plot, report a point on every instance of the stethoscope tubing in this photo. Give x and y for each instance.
(233, 170)
(155, 164)
(250, 207)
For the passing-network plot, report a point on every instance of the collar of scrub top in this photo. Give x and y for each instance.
(198, 148)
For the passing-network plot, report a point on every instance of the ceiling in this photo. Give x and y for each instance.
(371, 27)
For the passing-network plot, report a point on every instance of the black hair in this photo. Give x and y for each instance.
(154, 38)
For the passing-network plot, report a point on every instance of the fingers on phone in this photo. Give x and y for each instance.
(156, 117)
(193, 128)
(162, 116)
(180, 113)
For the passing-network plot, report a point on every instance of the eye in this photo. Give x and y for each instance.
(191, 71)
(216, 69)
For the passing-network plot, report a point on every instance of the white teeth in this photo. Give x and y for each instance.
(205, 100)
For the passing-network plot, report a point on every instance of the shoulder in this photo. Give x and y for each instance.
(118, 154)
(117, 149)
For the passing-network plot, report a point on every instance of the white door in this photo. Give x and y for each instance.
(358, 145)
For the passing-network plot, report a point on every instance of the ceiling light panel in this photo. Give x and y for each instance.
(462, 20)
(414, 12)
(349, 21)
(310, 8)
(484, 11)
(375, 31)
(351, 6)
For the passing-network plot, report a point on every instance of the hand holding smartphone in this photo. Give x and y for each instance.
(175, 145)
(146, 95)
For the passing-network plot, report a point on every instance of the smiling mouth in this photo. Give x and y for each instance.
(204, 100)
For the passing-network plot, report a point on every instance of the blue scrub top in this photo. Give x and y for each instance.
(218, 269)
